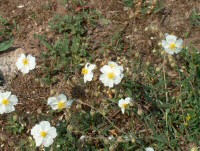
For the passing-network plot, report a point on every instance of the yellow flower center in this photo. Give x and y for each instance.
(61, 105)
(84, 71)
(25, 61)
(172, 46)
(125, 105)
(111, 75)
(5, 101)
(43, 134)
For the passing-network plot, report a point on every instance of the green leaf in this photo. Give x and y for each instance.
(5, 45)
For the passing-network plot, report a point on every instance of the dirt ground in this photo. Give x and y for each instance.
(142, 33)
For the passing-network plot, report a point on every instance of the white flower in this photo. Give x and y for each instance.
(172, 44)
(124, 103)
(43, 133)
(149, 149)
(113, 64)
(7, 102)
(112, 74)
(60, 102)
(25, 63)
(87, 72)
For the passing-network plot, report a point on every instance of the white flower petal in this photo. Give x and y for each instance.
(2, 108)
(47, 141)
(62, 97)
(166, 34)
(88, 77)
(118, 80)
(91, 67)
(149, 149)
(5, 95)
(13, 99)
(35, 131)
(9, 108)
(51, 100)
(105, 69)
(19, 64)
(123, 110)
(165, 44)
(127, 100)
(25, 69)
(120, 102)
(171, 52)
(179, 43)
(54, 106)
(178, 50)
(38, 140)
(69, 103)
(171, 39)
(45, 125)
(31, 61)
(52, 132)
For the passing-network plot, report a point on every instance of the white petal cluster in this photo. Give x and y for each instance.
(59, 102)
(25, 63)
(43, 133)
(124, 103)
(87, 72)
(112, 74)
(7, 102)
(172, 45)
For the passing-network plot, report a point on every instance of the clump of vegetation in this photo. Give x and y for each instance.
(128, 103)
(195, 17)
(6, 39)
(144, 6)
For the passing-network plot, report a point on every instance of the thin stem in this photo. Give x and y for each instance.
(102, 115)
(166, 92)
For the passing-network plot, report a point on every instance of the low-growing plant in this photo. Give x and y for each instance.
(195, 17)
(65, 55)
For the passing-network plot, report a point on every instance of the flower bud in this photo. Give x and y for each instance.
(147, 63)
(194, 148)
(112, 147)
(120, 139)
(92, 112)
(15, 118)
(173, 65)
(133, 140)
(158, 69)
(78, 106)
(162, 53)
(70, 128)
(137, 54)
(52, 92)
(140, 112)
(106, 141)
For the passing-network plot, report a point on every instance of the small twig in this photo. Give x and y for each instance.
(165, 16)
